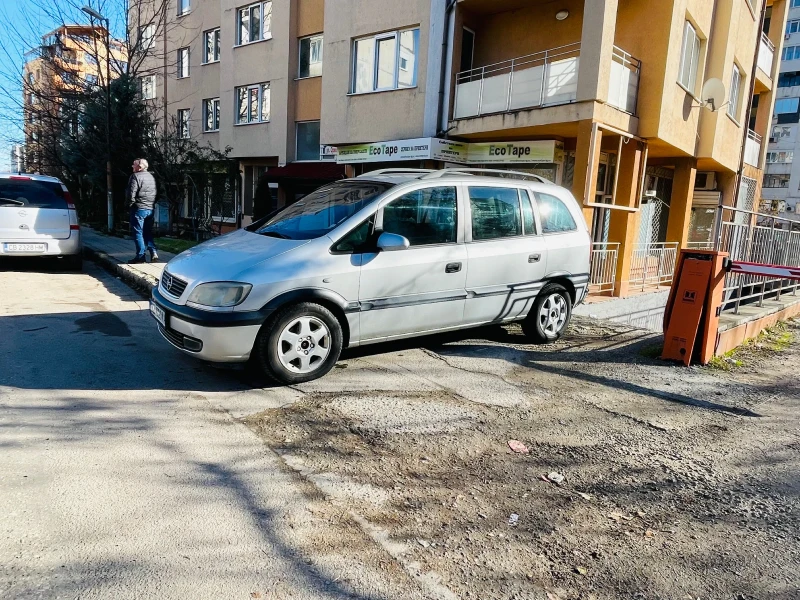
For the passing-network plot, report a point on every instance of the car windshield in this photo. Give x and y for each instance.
(321, 211)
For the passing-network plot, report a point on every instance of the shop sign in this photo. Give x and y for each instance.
(449, 151)
(414, 149)
(328, 152)
(515, 152)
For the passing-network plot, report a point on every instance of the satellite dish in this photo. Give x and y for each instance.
(713, 94)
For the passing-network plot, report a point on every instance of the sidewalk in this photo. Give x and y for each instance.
(113, 253)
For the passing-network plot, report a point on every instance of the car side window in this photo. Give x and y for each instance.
(554, 214)
(528, 222)
(495, 212)
(424, 217)
(355, 241)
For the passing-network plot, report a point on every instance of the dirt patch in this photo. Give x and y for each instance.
(677, 483)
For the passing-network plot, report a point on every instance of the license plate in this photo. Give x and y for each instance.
(158, 313)
(26, 247)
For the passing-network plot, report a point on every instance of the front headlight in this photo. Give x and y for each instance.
(220, 293)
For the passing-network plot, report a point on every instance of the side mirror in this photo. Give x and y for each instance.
(389, 242)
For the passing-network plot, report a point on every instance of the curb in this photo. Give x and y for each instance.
(139, 281)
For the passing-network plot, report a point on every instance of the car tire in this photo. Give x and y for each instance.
(299, 343)
(550, 315)
(74, 262)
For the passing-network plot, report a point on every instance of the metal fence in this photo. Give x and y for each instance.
(603, 269)
(749, 236)
(653, 264)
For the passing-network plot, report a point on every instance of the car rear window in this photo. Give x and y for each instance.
(32, 193)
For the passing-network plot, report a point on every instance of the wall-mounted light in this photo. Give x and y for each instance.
(562, 14)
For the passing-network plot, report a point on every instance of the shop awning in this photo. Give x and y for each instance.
(321, 171)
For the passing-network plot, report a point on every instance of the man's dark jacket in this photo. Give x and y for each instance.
(141, 191)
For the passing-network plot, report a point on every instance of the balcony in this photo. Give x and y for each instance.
(542, 79)
(766, 54)
(752, 148)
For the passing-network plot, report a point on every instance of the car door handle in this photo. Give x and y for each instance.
(534, 258)
(452, 267)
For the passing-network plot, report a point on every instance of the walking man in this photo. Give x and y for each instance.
(141, 196)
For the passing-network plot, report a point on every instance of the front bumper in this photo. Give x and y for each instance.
(223, 337)
(66, 247)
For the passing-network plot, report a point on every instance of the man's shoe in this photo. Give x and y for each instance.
(137, 261)
(153, 257)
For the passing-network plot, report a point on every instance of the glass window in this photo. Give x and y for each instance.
(356, 240)
(424, 217)
(733, 102)
(307, 140)
(495, 212)
(528, 222)
(147, 86)
(252, 103)
(254, 23)
(183, 122)
(786, 105)
(211, 114)
(34, 194)
(554, 214)
(211, 46)
(311, 56)
(183, 62)
(690, 57)
(147, 36)
(321, 211)
(385, 62)
(183, 7)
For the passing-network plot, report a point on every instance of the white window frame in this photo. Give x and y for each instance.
(691, 48)
(733, 97)
(311, 39)
(377, 39)
(151, 79)
(184, 7)
(218, 50)
(213, 103)
(184, 128)
(264, 35)
(147, 36)
(261, 87)
(183, 61)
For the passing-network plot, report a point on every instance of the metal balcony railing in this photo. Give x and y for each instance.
(766, 54)
(603, 268)
(752, 148)
(623, 87)
(653, 264)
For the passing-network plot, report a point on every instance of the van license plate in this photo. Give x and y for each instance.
(158, 313)
(26, 247)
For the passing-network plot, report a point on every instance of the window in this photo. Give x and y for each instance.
(690, 58)
(252, 103)
(795, 3)
(495, 212)
(91, 79)
(789, 79)
(776, 181)
(356, 240)
(147, 85)
(147, 36)
(311, 56)
(211, 114)
(424, 217)
(792, 26)
(780, 157)
(554, 214)
(183, 123)
(183, 62)
(211, 46)
(307, 141)
(254, 23)
(385, 62)
(781, 131)
(733, 102)
(790, 53)
(786, 105)
(183, 7)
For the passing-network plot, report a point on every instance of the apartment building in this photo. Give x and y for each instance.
(69, 60)
(781, 191)
(601, 96)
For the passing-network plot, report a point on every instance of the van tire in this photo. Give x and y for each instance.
(555, 301)
(288, 344)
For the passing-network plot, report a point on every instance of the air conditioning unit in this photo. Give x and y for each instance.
(705, 180)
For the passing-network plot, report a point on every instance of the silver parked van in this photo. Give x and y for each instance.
(390, 254)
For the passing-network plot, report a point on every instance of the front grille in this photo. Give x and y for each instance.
(172, 285)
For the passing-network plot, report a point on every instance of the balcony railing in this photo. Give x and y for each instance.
(540, 79)
(623, 87)
(766, 54)
(653, 264)
(752, 148)
(603, 269)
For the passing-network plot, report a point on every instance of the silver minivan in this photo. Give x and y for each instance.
(390, 254)
(38, 218)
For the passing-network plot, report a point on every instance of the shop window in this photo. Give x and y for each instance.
(307, 140)
(554, 214)
(424, 217)
(310, 56)
(495, 212)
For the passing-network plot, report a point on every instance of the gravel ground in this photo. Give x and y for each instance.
(677, 483)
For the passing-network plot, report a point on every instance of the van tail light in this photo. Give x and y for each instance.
(74, 227)
(68, 197)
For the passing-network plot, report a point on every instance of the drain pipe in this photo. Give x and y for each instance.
(447, 54)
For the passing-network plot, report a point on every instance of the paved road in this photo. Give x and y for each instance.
(125, 473)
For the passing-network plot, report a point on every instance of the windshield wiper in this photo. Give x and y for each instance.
(275, 234)
(17, 202)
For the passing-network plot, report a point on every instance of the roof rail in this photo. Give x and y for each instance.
(487, 173)
(398, 172)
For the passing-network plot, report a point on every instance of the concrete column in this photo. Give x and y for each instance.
(597, 45)
(585, 180)
(680, 206)
(624, 225)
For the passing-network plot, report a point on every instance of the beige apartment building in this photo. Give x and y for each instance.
(602, 96)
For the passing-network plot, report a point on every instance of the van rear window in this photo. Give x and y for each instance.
(31, 193)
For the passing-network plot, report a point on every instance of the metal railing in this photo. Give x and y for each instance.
(603, 267)
(539, 79)
(766, 54)
(752, 148)
(653, 264)
(749, 236)
(623, 88)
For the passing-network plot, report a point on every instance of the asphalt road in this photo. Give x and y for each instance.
(125, 472)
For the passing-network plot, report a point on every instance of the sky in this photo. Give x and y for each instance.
(24, 22)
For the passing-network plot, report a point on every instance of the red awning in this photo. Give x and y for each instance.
(326, 171)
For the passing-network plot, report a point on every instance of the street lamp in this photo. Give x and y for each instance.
(93, 14)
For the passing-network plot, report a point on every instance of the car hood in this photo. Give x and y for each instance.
(225, 257)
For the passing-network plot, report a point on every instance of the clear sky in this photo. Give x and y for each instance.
(23, 24)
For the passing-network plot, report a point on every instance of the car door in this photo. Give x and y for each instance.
(420, 288)
(507, 255)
